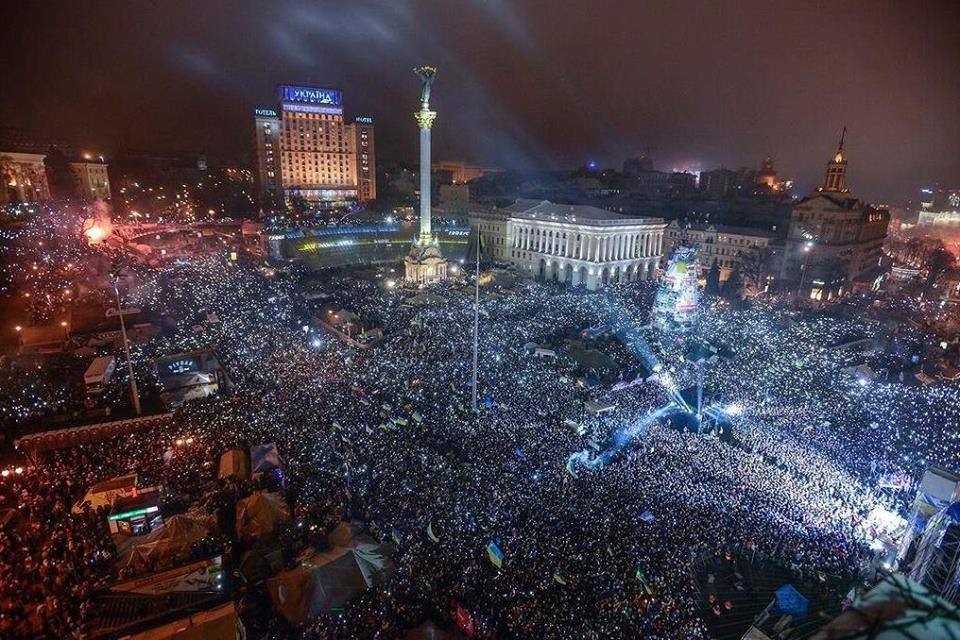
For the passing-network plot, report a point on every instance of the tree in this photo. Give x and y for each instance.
(733, 287)
(299, 206)
(59, 174)
(755, 265)
(713, 279)
(938, 261)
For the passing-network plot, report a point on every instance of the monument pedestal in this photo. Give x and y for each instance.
(425, 263)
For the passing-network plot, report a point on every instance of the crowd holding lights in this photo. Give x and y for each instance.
(599, 553)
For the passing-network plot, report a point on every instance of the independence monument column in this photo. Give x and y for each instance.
(425, 263)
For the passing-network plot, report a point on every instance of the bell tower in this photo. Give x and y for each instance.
(836, 178)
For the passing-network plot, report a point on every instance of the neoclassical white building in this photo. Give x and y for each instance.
(572, 244)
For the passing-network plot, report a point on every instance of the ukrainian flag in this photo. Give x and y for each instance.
(559, 578)
(643, 580)
(495, 555)
(431, 534)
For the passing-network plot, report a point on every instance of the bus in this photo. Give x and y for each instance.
(98, 373)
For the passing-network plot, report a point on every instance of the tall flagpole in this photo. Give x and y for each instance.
(476, 324)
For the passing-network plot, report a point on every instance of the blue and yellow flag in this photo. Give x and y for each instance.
(643, 580)
(495, 555)
(431, 534)
(559, 578)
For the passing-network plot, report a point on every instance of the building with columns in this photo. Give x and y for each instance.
(24, 178)
(572, 244)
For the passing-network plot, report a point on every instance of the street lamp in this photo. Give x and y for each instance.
(807, 247)
(134, 394)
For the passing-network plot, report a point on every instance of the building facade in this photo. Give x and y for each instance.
(311, 151)
(24, 178)
(835, 241)
(362, 131)
(572, 244)
(267, 144)
(460, 172)
(91, 180)
(730, 248)
(941, 209)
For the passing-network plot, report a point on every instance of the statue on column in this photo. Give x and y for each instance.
(426, 75)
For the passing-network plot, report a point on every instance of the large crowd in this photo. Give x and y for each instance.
(596, 552)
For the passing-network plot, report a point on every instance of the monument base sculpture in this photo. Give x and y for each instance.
(425, 264)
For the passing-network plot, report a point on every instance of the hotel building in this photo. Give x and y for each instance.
(305, 149)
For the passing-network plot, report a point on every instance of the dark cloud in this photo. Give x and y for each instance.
(521, 84)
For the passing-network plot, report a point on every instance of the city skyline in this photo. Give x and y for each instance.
(521, 91)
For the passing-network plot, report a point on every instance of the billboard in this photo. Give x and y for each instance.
(311, 95)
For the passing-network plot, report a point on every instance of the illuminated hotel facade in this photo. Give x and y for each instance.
(305, 149)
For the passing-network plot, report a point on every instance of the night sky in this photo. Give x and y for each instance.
(521, 84)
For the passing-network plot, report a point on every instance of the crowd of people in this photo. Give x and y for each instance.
(492, 528)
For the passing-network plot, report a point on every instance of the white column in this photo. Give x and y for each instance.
(425, 168)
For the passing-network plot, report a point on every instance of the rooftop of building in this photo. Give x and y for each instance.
(583, 214)
(724, 228)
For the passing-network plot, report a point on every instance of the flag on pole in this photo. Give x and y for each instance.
(570, 467)
(431, 534)
(559, 578)
(495, 555)
(647, 516)
(396, 536)
(643, 580)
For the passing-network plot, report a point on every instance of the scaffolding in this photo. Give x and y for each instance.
(937, 563)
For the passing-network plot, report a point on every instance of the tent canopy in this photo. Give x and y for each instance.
(234, 462)
(790, 602)
(260, 515)
(331, 578)
(265, 457)
(170, 542)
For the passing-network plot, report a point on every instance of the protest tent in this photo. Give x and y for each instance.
(234, 462)
(265, 457)
(170, 542)
(354, 563)
(260, 515)
(791, 602)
